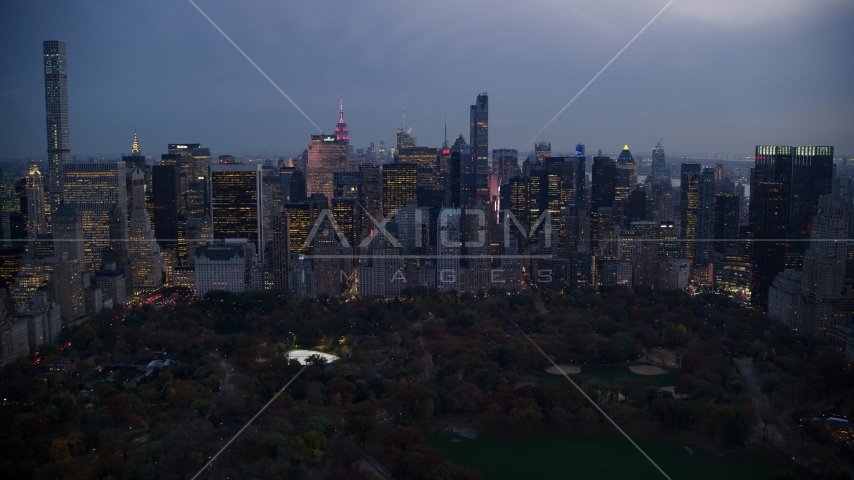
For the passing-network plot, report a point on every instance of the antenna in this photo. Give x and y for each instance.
(445, 143)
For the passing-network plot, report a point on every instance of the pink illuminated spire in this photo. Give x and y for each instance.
(341, 131)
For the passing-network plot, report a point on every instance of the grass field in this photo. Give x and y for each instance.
(609, 373)
(602, 456)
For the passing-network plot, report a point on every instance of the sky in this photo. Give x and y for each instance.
(709, 76)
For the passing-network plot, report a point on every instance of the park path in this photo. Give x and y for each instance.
(767, 411)
(225, 388)
(762, 403)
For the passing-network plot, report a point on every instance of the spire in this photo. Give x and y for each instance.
(341, 130)
(445, 143)
(135, 148)
(403, 124)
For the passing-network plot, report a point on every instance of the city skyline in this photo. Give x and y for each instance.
(667, 248)
(725, 92)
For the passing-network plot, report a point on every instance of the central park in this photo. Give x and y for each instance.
(429, 386)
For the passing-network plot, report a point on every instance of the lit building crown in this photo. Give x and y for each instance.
(341, 131)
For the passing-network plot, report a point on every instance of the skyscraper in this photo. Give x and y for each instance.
(135, 186)
(769, 215)
(690, 181)
(56, 108)
(660, 172)
(464, 164)
(164, 181)
(199, 231)
(400, 186)
(424, 157)
(67, 234)
(802, 175)
(342, 133)
(453, 174)
(479, 140)
(185, 162)
(137, 160)
(94, 189)
(627, 174)
(326, 155)
(236, 209)
(726, 222)
(404, 136)
(448, 250)
(144, 253)
(705, 228)
(300, 219)
(812, 177)
(68, 288)
(280, 249)
(602, 193)
(542, 150)
(505, 164)
(346, 213)
(603, 187)
(825, 298)
(36, 208)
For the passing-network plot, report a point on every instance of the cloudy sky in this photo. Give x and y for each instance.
(708, 75)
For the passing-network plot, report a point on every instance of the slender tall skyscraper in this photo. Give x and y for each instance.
(660, 173)
(689, 206)
(479, 140)
(56, 110)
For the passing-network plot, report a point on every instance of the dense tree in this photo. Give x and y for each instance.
(410, 364)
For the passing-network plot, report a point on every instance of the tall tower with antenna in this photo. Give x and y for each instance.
(404, 135)
(341, 131)
(445, 142)
(660, 173)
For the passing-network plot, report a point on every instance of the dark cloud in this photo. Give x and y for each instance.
(710, 76)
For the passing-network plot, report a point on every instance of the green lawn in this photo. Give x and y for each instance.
(608, 373)
(601, 456)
